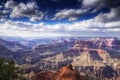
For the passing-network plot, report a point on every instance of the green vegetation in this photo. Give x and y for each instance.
(7, 69)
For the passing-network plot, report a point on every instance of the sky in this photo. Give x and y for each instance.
(45, 18)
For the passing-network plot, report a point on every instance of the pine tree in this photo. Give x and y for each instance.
(7, 69)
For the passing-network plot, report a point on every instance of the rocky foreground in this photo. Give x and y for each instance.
(68, 73)
(65, 73)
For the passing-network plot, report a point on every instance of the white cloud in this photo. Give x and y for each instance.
(87, 27)
(29, 10)
(92, 3)
(71, 14)
(10, 4)
(3, 20)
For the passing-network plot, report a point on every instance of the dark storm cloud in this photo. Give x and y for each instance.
(59, 9)
(98, 4)
(113, 15)
(112, 3)
(92, 6)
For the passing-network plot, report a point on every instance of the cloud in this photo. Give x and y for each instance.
(1, 6)
(92, 3)
(89, 27)
(103, 23)
(113, 15)
(71, 14)
(90, 7)
(10, 4)
(27, 29)
(3, 20)
(18, 24)
(98, 4)
(29, 10)
(3, 13)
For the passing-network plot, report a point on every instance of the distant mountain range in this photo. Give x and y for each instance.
(11, 45)
(4, 52)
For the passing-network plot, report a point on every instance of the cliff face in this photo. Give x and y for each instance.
(94, 57)
(106, 42)
(11, 45)
(44, 76)
(65, 73)
(4, 52)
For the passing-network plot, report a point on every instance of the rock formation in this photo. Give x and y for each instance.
(65, 73)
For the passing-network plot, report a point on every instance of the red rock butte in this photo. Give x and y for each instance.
(65, 73)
